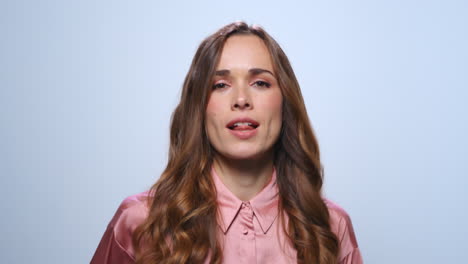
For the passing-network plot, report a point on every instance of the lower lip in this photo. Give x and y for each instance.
(244, 134)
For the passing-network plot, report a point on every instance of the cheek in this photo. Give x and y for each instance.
(214, 105)
(275, 106)
(211, 116)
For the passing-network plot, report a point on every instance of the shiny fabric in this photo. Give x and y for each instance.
(250, 231)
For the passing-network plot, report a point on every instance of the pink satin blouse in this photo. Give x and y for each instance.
(250, 230)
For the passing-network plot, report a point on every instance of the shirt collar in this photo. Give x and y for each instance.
(264, 204)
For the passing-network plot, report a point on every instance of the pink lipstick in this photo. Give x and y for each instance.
(243, 128)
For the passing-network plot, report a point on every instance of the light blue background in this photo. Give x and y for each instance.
(87, 89)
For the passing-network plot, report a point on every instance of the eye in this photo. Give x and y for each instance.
(261, 84)
(219, 86)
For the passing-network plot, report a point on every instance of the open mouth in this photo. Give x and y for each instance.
(243, 126)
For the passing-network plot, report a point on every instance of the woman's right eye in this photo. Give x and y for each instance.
(219, 85)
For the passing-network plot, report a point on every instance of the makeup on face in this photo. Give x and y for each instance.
(244, 111)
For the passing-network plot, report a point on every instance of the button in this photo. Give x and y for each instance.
(245, 231)
(245, 205)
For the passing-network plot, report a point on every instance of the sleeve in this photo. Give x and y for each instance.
(110, 251)
(350, 253)
(354, 257)
(116, 244)
(343, 228)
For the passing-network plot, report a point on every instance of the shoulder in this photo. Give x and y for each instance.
(131, 212)
(341, 225)
(116, 243)
(133, 206)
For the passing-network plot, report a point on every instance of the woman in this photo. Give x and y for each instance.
(243, 181)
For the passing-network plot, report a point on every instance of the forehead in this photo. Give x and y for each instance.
(245, 52)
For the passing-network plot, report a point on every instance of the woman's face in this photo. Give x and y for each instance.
(244, 112)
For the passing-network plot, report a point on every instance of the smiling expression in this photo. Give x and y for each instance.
(244, 111)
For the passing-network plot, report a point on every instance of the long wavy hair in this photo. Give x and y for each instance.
(181, 226)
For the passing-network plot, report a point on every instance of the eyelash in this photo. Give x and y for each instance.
(219, 85)
(262, 84)
(257, 84)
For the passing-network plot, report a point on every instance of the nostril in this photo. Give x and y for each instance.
(240, 105)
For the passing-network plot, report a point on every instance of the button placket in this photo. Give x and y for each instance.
(247, 218)
(247, 247)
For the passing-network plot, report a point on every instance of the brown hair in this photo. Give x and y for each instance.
(181, 225)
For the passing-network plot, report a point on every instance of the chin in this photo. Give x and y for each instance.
(243, 154)
(241, 157)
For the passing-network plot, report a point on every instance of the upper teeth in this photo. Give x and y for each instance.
(242, 124)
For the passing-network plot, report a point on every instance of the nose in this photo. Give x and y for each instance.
(241, 103)
(241, 100)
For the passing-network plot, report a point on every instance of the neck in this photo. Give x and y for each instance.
(244, 178)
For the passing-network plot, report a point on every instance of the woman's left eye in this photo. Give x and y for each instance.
(262, 84)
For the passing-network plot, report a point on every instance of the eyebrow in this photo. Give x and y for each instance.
(253, 71)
